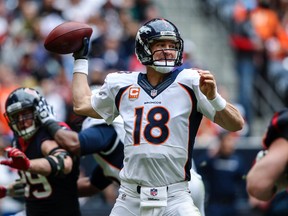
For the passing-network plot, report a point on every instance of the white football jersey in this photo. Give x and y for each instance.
(160, 123)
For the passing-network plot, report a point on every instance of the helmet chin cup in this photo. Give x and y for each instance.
(163, 67)
(163, 70)
(26, 133)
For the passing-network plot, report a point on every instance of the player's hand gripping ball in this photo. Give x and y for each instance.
(67, 37)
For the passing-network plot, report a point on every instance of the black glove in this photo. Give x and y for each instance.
(83, 52)
(44, 111)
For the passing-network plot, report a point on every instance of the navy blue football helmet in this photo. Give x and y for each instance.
(20, 100)
(153, 30)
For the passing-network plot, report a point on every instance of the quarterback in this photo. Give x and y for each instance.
(162, 108)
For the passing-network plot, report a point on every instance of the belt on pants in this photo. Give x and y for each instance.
(170, 188)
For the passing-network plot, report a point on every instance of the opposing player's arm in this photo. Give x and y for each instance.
(266, 176)
(57, 162)
(68, 140)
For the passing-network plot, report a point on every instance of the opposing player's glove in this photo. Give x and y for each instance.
(47, 117)
(16, 189)
(83, 52)
(19, 159)
(3, 191)
(44, 111)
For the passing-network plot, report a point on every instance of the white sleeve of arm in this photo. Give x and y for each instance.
(104, 104)
(203, 104)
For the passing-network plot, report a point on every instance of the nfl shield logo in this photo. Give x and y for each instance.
(153, 92)
(153, 192)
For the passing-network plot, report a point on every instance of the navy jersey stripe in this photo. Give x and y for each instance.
(194, 122)
(119, 95)
(147, 87)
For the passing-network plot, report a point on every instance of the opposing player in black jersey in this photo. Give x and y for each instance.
(269, 174)
(50, 172)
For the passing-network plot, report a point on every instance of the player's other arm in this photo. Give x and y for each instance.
(227, 116)
(268, 175)
(68, 140)
(80, 88)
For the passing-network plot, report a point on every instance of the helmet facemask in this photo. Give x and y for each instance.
(17, 123)
(165, 64)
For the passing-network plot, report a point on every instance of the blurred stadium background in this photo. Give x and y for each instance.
(205, 26)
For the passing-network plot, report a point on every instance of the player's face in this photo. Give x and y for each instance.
(24, 119)
(164, 50)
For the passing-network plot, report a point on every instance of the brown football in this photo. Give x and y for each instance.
(67, 37)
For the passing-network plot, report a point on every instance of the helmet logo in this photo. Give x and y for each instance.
(144, 29)
(32, 92)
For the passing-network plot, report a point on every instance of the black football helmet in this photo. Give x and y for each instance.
(157, 29)
(19, 100)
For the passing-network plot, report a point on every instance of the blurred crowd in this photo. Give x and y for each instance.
(258, 34)
(25, 62)
(24, 25)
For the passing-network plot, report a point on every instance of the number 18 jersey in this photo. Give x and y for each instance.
(160, 122)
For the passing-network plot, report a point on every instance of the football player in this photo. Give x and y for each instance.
(162, 108)
(49, 172)
(269, 174)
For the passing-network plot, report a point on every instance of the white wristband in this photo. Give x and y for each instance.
(80, 66)
(218, 102)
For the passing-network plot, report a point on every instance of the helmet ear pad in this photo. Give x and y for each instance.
(157, 29)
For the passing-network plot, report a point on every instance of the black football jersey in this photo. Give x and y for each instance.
(277, 128)
(48, 195)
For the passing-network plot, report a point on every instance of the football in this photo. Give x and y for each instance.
(67, 37)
